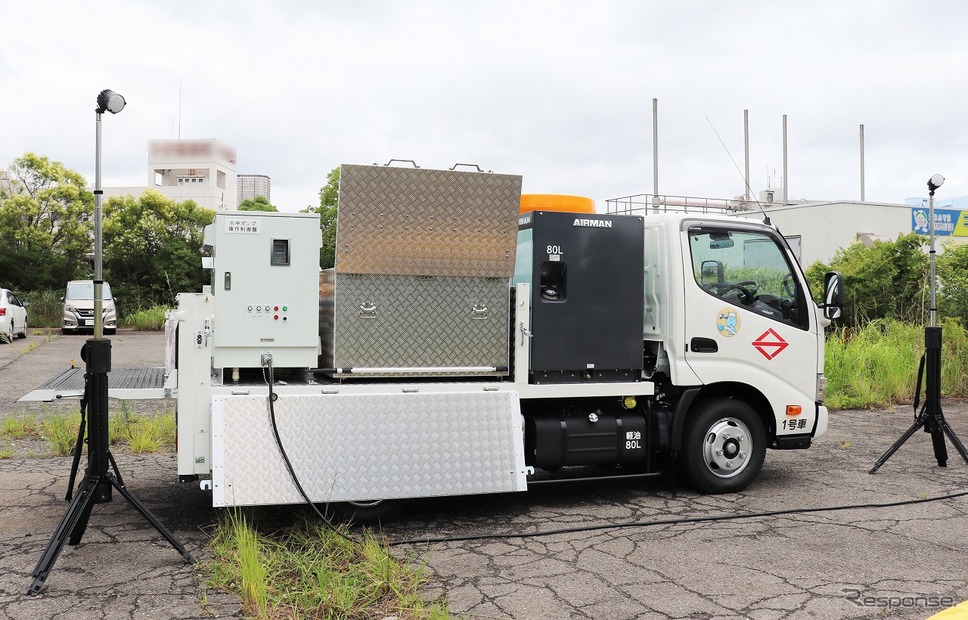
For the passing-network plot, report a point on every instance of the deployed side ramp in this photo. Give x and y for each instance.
(353, 446)
(123, 384)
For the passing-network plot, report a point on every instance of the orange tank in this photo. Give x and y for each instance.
(556, 202)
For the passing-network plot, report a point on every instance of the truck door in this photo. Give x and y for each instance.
(749, 318)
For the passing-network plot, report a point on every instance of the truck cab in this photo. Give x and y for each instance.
(729, 319)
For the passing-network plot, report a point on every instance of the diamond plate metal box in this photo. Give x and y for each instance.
(422, 266)
(419, 222)
(414, 322)
(346, 447)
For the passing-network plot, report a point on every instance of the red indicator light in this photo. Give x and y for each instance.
(276, 317)
(275, 308)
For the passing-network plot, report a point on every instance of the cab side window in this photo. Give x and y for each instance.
(749, 269)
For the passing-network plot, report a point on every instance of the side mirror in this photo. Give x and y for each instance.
(711, 273)
(833, 295)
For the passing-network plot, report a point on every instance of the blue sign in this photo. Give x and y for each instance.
(947, 222)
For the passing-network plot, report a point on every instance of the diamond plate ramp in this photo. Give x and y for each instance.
(367, 446)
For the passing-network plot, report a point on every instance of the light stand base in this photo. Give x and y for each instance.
(931, 418)
(98, 482)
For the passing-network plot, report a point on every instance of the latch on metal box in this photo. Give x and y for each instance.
(367, 310)
(479, 313)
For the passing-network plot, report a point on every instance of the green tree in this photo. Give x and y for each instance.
(259, 203)
(152, 248)
(952, 270)
(46, 221)
(887, 279)
(327, 209)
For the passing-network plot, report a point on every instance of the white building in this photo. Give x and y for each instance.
(819, 229)
(198, 170)
(252, 185)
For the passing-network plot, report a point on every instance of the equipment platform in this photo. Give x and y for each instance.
(123, 384)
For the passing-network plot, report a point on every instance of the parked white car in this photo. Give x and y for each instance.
(13, 316)
(78, 312)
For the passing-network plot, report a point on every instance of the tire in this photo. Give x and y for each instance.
(23, 334)
(723, 446)
(8, 335)
(365, 512)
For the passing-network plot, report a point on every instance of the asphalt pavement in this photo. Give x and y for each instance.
(816, 536)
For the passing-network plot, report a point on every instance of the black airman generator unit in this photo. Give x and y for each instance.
(587, 280)
(586, 276)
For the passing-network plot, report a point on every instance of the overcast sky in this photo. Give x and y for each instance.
(559, 92)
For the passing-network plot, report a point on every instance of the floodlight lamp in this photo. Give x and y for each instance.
(109, 101)
(935, 182)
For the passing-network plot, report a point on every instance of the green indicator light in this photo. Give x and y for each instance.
(285, 308)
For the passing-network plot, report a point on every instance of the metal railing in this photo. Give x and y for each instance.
(646, 204)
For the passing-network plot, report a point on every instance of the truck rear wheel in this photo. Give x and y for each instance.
(723, 446)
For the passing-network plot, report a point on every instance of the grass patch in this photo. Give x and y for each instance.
(135, 432)
(877, 365)
(19, 427)
(310, 572)
(59, 430)
(45, 308)
(6, 453)
(142, 434)
(148, 319)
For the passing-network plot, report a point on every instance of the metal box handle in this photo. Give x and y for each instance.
(479, 312)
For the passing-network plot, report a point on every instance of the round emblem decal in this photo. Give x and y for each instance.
(727, 322)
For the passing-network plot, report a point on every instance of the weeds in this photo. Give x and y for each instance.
(138, 433)
(148, 319)
(60, 432)
(877, 365)
(19, 427)
(311, 572)
(45, 308)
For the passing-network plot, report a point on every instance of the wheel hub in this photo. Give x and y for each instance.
(727, 447)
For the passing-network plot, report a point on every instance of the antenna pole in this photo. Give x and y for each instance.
(655, 147)
(746, 142)
(785, 183)
(862, 162)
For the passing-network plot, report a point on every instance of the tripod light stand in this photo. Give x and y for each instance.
(98, 481)
(931, 419)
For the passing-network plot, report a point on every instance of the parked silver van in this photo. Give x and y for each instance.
(78, 311)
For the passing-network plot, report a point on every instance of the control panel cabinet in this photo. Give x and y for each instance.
(265, 275)
(586, 275)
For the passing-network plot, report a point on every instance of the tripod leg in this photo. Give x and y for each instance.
(153, 521)
(80, 505)
(80, 527)
(922, 419)
(117, 473)
(75, 464)
(940, 450)
(959, 447)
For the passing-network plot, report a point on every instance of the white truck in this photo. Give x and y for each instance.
(462, 346)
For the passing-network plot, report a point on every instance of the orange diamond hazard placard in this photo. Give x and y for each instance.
(770, 344)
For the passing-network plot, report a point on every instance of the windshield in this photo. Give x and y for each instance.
(85, 290)
(751, 269)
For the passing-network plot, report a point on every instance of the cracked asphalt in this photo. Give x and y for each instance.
(906, 560)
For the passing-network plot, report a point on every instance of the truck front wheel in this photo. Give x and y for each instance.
(723, 446)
